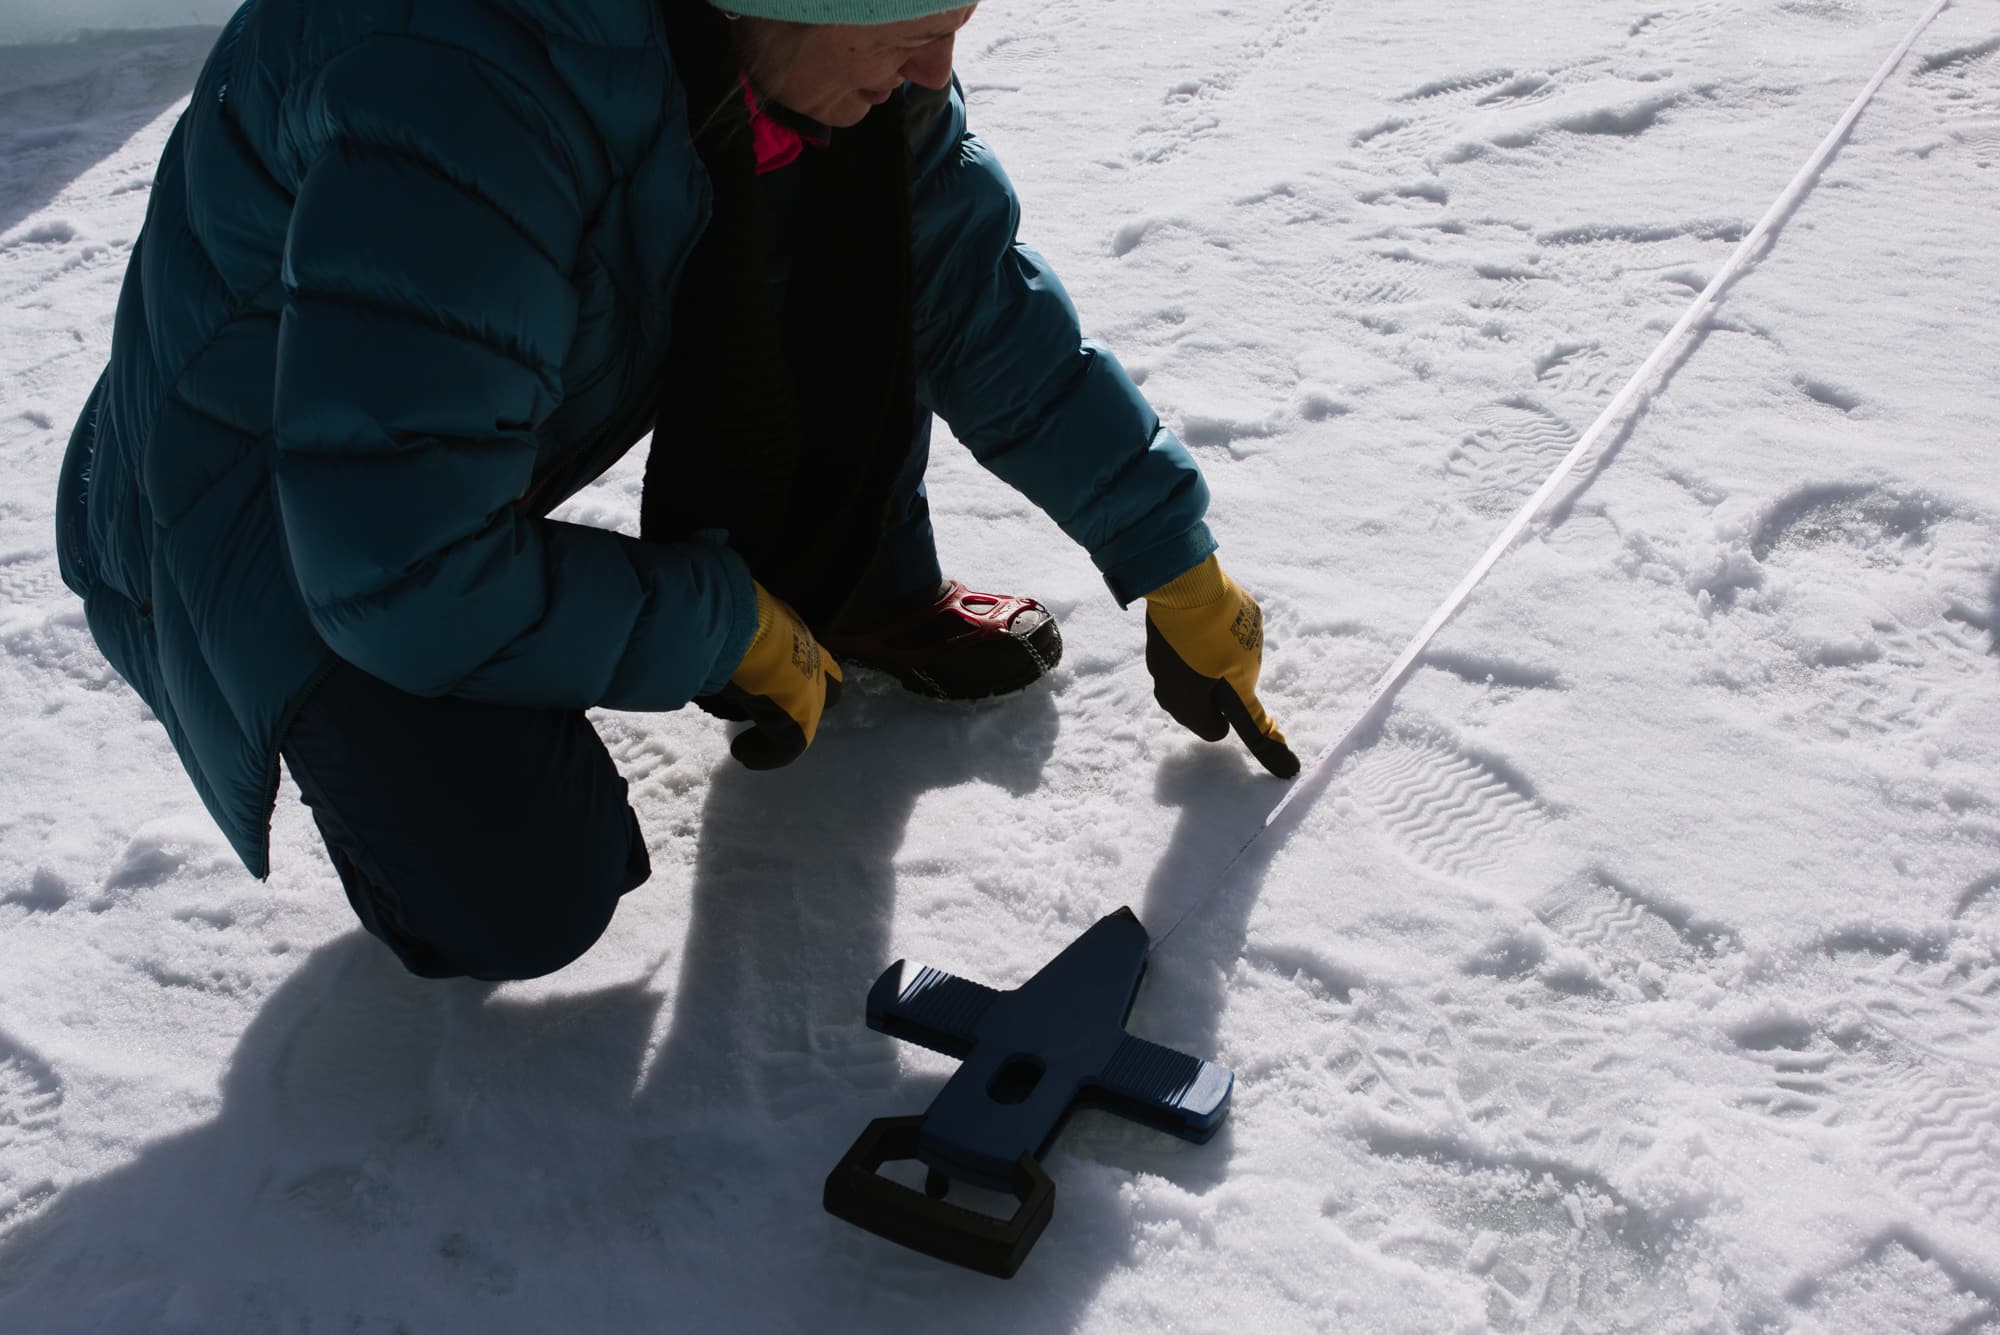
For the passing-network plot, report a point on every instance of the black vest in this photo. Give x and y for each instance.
(789, 402)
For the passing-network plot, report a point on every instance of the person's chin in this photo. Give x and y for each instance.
(851, 110)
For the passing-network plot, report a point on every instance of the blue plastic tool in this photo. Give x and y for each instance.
(1031, 1056)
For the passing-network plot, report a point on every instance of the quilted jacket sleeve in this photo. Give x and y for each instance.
(1001, 358)
(427, 314)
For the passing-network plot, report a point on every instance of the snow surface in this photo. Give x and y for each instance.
(1642, 973)
(25, 21)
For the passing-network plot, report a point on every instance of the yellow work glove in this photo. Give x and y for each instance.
(783, 684)
(1205, 647)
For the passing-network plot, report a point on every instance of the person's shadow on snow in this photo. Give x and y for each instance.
(1201, 904)
(389, 1154)
(793, 895)
(397, 1154)
(793, 905)
(768, 1071)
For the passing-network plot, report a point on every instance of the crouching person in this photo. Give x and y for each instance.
(412, 273)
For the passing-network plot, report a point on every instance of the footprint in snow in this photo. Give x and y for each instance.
(796, 1079)
(1915, 1080)
(1508, 450)
(1696, 19)
(1445, 809)
(1482, 1163)
(1902, 1283)
(1506, 287)
(49, 638)
(1945, 996)
(28, 577)
(1608, 115)
(56, 233)
(1963, 87)
(1938, 1139)
(645, 753)
(1473, 87)
(1431, 115)
(1634, 943)
(1378, 279)
(1586, 371)
(1861, 628)
(1423, 197)
(1192, 109)
(1550, 1250)
(31, 1100)
(1844, 13)
(1979, 907)
(1602, 252)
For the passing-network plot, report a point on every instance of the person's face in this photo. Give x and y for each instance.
(835, 72)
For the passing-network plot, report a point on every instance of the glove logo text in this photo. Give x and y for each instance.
(805, 654)
(1249, 628)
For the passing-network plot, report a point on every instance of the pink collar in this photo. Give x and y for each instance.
(777, 144)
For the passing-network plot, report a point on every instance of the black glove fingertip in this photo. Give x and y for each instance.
(1268, 751)
(1276, 757)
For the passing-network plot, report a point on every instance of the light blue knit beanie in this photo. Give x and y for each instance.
(839, 11)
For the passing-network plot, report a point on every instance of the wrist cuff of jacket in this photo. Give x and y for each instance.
(1197, 588)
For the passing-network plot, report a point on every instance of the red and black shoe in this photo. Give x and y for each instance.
(964, 646)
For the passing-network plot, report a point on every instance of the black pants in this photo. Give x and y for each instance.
(488, 841)
(475, 840)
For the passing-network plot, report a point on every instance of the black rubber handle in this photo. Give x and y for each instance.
(857, 1192)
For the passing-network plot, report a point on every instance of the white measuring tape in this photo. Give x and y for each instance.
(1314, 777)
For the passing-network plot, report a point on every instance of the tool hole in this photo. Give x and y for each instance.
(1015, 1080)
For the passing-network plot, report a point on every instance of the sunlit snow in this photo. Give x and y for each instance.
(1641, 972)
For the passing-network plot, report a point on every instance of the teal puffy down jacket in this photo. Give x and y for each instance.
(403, 285)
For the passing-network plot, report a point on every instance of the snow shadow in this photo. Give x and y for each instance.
(1221, 798)
(66, 106)
(767, 1051)
(396, 1155)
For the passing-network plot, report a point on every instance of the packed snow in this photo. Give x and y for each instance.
(1639, 972)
